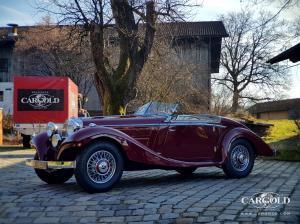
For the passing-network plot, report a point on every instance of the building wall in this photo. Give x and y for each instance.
(93, 104)
(6, 63)
(197, 51)
(193, 50)
(276, 115)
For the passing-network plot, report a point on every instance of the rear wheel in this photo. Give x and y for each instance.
(53, 176)
(186, 171)
(240, 159)
(99, 167)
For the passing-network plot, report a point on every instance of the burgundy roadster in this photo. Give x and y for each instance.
(98, 149)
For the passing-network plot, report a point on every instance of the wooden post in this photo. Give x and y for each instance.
(1, 128)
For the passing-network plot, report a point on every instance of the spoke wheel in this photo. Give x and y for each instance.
(240, 159)
(99, 167)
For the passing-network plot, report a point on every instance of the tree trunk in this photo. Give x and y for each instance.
(111, 98)
(235, 102)
(112, 103)
(115, 87)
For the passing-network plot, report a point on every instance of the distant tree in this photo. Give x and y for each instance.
(220, 104)
(115, 84)
(244, 54)
(295, 115)
(49, 50)
(281, 9)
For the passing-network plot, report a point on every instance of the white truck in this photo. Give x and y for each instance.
(40, 99)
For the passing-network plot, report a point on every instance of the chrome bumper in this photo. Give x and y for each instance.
(38, 164)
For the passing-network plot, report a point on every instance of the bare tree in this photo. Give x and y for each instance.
(48, 50)
(281, 9)
(280, 5)
(219, 100)
(168, 78)
(115, 84)
(244, 54)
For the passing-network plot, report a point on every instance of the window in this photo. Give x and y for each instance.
(1, 96)
(3, 65)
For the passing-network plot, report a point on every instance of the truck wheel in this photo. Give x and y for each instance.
(53, 176)
(240, 159)
(186, 171)
(99, 167)
(26, 141)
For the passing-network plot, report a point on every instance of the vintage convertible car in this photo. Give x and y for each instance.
(98, 149)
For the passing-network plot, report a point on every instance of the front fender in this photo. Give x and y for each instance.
(260, 147)
(43, 146)
(134, 150)
(83, 137)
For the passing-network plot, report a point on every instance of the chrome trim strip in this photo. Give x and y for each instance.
(197, 124)
(167, 124)
(38, 164)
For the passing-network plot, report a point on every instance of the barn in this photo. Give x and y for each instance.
(276, 110)
(197, 42)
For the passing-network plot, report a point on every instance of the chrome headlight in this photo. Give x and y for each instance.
(56, 138)
(73, 125)
(51, 128)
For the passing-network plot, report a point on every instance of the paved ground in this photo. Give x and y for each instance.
(153, 196)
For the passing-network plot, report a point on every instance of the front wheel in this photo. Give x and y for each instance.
(53, 176)
(99, 167)
(240, 159)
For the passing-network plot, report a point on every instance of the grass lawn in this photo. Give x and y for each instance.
(284, 136)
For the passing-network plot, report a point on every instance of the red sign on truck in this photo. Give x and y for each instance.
(40, 99)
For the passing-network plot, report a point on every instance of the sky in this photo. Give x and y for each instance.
(24, 12)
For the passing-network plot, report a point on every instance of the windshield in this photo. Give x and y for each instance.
(156, 108)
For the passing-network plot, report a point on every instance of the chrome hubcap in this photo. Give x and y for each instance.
(101, 166)
(240, 157)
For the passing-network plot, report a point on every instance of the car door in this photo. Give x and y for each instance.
(190, 140)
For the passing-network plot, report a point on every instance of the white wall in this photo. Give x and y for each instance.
(7, 89)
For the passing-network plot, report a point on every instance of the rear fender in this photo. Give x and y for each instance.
(259, 146)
